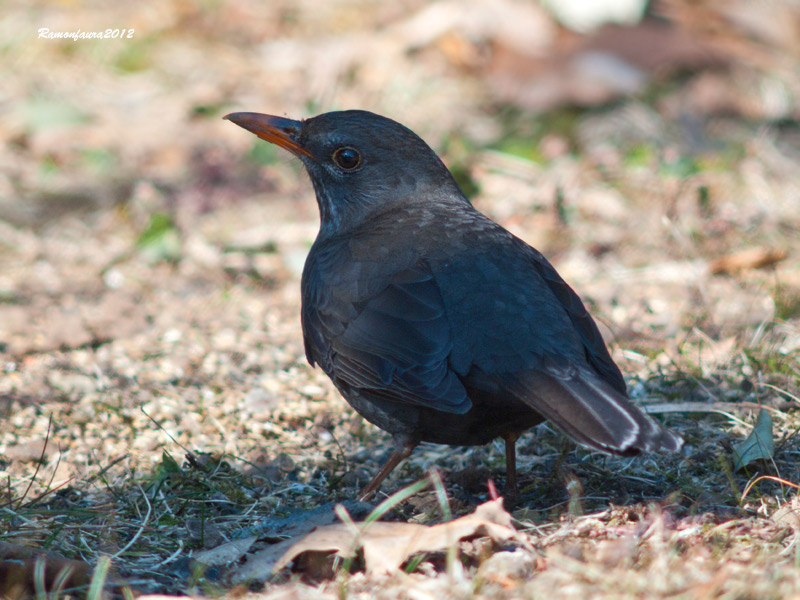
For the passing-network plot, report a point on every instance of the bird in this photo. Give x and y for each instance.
(434, 322)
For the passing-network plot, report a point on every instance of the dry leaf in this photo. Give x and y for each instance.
(225, 553)
(259, 566)
(18, 572)
(759, 445)
(595, 69)
(751, 258)
(789, 514)
(387, 546)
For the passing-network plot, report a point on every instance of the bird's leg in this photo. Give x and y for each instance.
(511, 492)
(403, 447)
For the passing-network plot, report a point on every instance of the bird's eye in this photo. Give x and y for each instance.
(347, 158)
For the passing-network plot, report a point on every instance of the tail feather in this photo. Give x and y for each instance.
(591, 411)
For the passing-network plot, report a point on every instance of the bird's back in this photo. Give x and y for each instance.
(500, 340)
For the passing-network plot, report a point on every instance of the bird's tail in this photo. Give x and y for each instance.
(591, 411)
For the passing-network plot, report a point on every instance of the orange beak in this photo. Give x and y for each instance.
(276, 130)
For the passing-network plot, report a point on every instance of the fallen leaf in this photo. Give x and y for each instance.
(759, 445)
(750, 258)
(387, 546)
(595, 69)
(225, 553)
(789, 514)
(259, 566)
(18, 572)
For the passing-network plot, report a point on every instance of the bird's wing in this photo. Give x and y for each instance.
(394, 345)
(535, 341)
(595, 347)
(588, 400)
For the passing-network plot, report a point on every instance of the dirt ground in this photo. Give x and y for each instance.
(156, 405)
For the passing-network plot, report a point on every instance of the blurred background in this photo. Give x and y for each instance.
(150, 252)
(614, 135)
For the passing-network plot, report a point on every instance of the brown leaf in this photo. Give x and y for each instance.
(789, 514)
(259, 566)
(750, 258)
(387, 546)
(18, 568)
(595, 69)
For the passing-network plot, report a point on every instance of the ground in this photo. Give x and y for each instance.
(155, 399)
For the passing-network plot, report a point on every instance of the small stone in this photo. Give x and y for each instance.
(259, 401)
(312, 391)
(516, 565)
(114, 279)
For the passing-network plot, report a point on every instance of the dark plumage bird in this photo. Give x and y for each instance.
(434, 322)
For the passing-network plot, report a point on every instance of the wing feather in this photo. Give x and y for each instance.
(396, 346)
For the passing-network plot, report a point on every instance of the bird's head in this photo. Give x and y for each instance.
(359, 162)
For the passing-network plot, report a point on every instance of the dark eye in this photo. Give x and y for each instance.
(347, 158)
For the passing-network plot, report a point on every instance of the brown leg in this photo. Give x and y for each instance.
(512, 491)
(403, 448)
